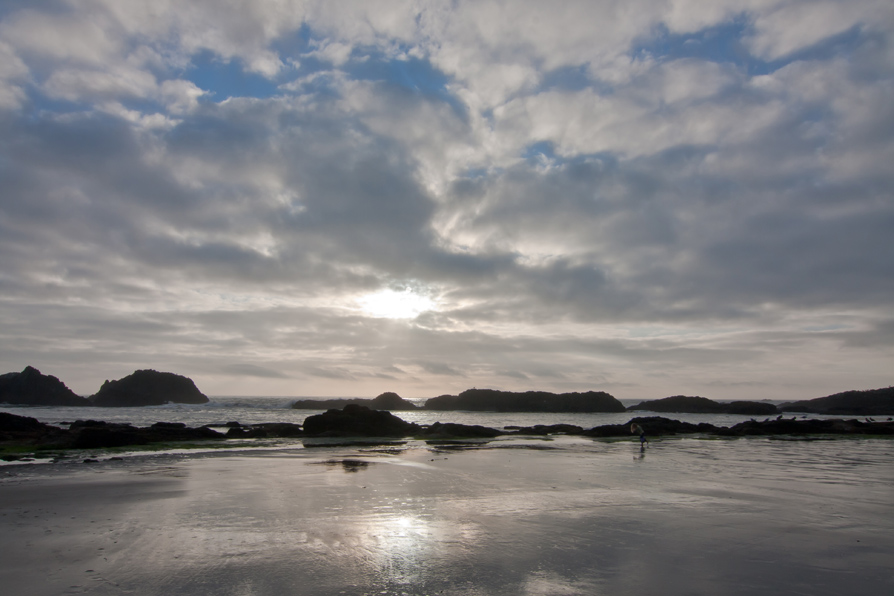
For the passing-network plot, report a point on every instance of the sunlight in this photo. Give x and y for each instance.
(396, 305)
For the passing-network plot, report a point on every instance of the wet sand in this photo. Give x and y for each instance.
(570, 516)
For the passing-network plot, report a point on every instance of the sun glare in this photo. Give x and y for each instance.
(396, 305)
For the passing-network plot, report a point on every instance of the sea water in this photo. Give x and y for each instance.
(255, 410)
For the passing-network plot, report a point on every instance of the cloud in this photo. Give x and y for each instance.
(617, 193)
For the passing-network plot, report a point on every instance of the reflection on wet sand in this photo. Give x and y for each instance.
(584, 517)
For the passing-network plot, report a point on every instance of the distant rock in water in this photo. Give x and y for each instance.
(31, 388)
(685, 404)
(358, 421)
(391, 401)
(751, 408)
(874, 402)
(148, 388)
(492, 400)
(386, 401)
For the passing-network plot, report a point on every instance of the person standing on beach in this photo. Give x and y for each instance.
(638, 430)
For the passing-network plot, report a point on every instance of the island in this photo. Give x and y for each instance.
(492, 400)
(873, 402)
(148, 388)
(389, 401)
(685, 404)
(32, 388)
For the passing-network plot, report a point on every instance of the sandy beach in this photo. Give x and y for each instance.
(561, 517)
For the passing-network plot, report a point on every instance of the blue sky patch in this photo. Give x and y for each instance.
(227, 79)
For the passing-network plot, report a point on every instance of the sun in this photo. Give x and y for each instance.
(391, 304)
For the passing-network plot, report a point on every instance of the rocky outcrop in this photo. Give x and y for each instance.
(358, 421)
(389, 401)
(654, 426)
(94, 434)
(492, 400)
(31, 388)
(793, 426)
(542, 429)
(874, 402)
(26, 431)
(148, 388)
(685, 404)
(264, 430)
(450, 430)
(751, 408)
(392, 402)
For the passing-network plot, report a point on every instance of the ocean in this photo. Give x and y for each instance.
(254, 410)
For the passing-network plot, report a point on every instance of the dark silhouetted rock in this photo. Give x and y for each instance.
(685, 404)
(391, 401)
(148, 388)
(386, 401)
(681, 404)
(354, 420)
(552, 429)
(266, 430)
(751, 408)
(874, 402)
(654, 426)
(31, 388)
(792, 426)
(492, 400)
(452, 430)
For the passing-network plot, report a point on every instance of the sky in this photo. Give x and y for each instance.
(303, 198)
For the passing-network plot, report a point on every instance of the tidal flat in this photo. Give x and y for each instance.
(516, 516)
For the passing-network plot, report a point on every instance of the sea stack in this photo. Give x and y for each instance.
(31, 388)
(148, 388)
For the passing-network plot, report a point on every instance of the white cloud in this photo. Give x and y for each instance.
(682, 212)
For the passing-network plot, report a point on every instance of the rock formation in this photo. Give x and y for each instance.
(874, 402)
(685, 404)
(358, 421)
(492, 400)
(386, 401)
(31, 388)
(148, 388)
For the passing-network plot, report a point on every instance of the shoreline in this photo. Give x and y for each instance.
(567, 516)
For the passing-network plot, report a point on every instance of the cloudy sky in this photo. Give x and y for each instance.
(279, 197)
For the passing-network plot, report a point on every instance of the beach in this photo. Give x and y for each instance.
(516, 516)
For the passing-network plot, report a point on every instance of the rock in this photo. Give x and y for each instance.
(751, 408)
(492, 400)
(148, 388)
(792, 426)
(31, 388)
(654, 426)
(553, 429)
(685, 404)
(266, 430)
(874, 402)
(355, 420)
(24, 430)
(452, 430)
(680, 404)
(386, 401)
(391, 401)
